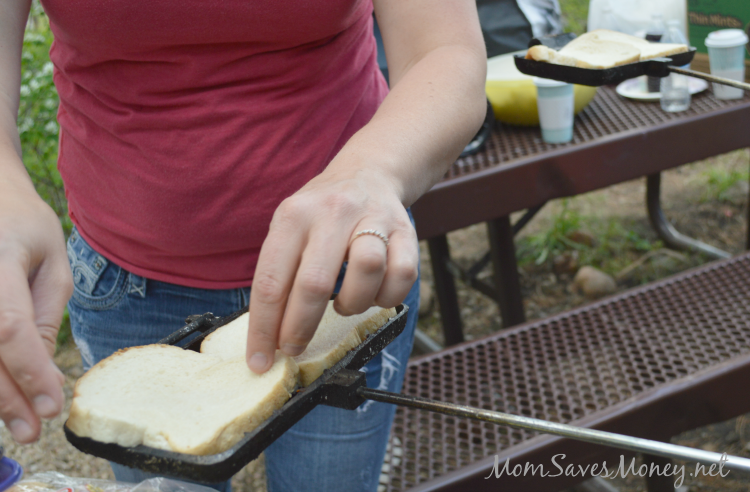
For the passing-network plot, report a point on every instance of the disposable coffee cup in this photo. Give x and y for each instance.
(555, 103)
(726, 56)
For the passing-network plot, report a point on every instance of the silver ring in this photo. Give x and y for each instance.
(372, 232)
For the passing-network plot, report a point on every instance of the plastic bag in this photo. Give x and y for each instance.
(57, 482)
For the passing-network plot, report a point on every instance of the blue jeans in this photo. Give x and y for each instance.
(328, 450)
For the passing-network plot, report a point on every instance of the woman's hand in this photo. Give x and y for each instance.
(35, 279)
(310, 236)
(35, 284)
(437, 65)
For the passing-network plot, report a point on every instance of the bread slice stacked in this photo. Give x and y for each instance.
(203, 403)
(604, 49)
(335, 336)
(169, 398)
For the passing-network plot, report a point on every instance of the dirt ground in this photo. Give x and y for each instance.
(707, 200)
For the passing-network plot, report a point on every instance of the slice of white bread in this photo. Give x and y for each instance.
(335, 336)
(603, 54)
(178, 400)
(603, 49)
(647, 48)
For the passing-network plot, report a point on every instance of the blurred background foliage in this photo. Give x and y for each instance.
(37, 115)
(575, 15)
(37, 125)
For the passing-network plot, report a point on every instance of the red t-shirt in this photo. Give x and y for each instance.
(183, 125)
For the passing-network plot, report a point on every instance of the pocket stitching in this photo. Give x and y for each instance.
(84, 299)
(107, 301)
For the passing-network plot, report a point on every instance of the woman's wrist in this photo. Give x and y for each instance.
(13, 174)
(368, 168)
(384, 161)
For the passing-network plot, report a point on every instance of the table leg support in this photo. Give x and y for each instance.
(666, 231)
(507, 282)
(445, 290)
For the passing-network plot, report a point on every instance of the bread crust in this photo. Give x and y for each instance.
(310, 370)
(539, 53)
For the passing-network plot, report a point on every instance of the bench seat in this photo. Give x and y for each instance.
(651, 362)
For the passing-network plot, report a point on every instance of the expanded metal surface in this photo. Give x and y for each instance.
(607, 114)
(569, 366)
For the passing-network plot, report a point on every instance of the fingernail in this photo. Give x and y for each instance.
(21, 430)
(45, 406)
(258, 362)
(292, 350)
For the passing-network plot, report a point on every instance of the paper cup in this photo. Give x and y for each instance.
(726, 56)
(555, 103)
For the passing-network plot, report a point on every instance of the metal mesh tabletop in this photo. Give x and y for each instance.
(595, 364)
(614, 140)
(607, 114)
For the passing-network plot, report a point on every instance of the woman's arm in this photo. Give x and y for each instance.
(35, 279)
(437, 62)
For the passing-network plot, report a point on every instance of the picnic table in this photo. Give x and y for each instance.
(650, 362)
(615, 140)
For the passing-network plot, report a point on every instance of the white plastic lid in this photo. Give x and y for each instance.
(540, 82)
(726, 38)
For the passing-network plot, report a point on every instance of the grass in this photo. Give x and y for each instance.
(575, 15)
(719, 182)
(554, 240)
(608, 243)
(704, 200)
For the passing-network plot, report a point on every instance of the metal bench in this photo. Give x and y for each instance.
(651, 362)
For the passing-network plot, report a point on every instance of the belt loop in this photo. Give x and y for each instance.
(244, 296)
(137, 285)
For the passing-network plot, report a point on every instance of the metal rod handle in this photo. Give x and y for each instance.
(710, 78)
(619, 441)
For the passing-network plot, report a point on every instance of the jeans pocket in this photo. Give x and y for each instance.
(98, 284)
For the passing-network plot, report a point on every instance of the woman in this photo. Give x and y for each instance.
(206, 148)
